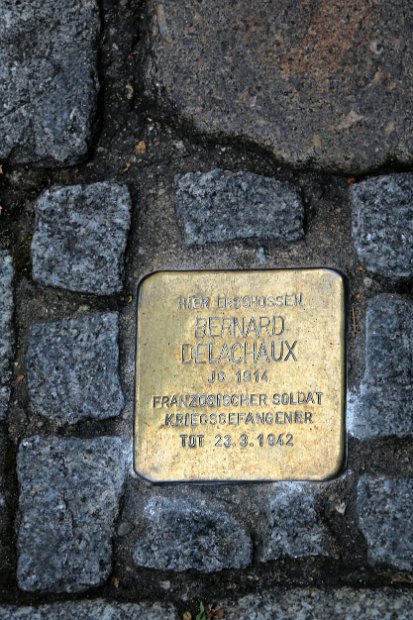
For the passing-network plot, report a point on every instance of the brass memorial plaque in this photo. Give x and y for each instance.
(240, 375)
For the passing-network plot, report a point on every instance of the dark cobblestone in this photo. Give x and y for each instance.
(97, 609)
(80, 237)
(6, 551)
(69, 496)
(384, 406)
(307, 604)
(6, 329)
(5, 548)
(48, 79)
(72, 368)
(181, 535)
(222, 205)
(385, 508)
(383, 224)
(295, 526)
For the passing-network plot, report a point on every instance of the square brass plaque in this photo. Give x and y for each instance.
(240, 375)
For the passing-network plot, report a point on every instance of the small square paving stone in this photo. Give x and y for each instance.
(179, 535)
(383, 224)
(385, 509)
(322, 604)
(48, 79)
(69, 497)
(98, 609)
(295, 526)
(6, 549)
(220, 206)
(72, 368)
(80, 237)
(384, 406)
(6, 329)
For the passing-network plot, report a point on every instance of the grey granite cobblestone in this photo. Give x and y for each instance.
(383, 224)
(48, 79)
(6, 329)
(80, 237)
(316, 604)
(97, 609)
(295, 527)
(220, 205)
(384, 406)
(179, 535)
(6, 551)
(385, 509)
(72, 368)
(69, 499)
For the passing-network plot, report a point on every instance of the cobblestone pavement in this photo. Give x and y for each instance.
(144, 135)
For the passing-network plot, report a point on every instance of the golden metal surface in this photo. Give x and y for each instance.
(240, 375)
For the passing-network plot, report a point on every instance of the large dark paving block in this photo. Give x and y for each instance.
(318, 83)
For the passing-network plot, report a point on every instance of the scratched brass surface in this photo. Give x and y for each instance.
(240, 375)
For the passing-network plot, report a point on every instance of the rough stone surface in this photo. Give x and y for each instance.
(6, 329)
(6, 550)
(72, 368)
(222, 205)
(97, 609)
(69, 496)
(384, 406)
(295, 527)
(180, 535)
(80, 237)
(385, 509)
(340, 604)
(383, 224)
(48, 79)
(315, 82)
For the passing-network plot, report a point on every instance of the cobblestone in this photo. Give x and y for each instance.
(385, 508)
(307, 604)
(97, 609)
(181, 535)
(72, 368)
(383, 224)
(6, 329)
(69, 495)
(295, 527)
(222, 205)
(80, 237)
(5, 547)
(315, 83)
(48, 80)
(384, 406)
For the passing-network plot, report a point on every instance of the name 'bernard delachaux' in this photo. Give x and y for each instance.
(249, 329)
